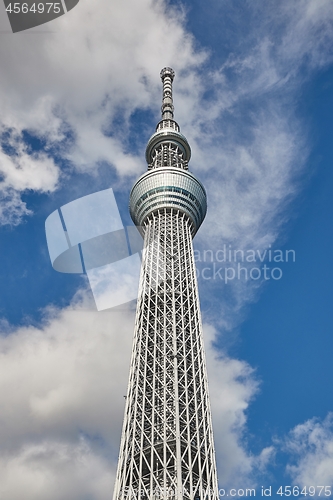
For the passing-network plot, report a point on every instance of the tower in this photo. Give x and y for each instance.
(167, 448)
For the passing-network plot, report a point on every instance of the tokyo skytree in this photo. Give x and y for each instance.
(167, 448)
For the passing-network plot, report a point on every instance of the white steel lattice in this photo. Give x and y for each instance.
(168, 155)
(167, 445)
(167, 448)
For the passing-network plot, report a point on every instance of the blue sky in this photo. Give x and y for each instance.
(79, 98)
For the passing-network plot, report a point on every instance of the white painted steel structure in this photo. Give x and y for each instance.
(167, 448)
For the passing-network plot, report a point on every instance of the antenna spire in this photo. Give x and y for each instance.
(167, 146)
(167, 76)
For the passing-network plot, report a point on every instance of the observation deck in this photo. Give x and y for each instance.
(167, 188)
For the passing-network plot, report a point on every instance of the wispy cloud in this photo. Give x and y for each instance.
(310, 446)
(232, 385)
(250, 146)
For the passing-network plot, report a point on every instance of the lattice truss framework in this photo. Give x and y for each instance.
(167, 448)
(168, 155)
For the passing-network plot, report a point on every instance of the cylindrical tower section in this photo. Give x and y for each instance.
(168, 188)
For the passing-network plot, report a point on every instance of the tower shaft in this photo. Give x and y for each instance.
(167, 448)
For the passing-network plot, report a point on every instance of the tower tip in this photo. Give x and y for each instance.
(167, 76)
(167, 72)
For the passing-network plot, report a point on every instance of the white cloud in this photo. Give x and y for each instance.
(248, 142)
(12, 208)
(49, 374)
(309, 33)
(20, 170)
(100, 58)
(99, 61)
(311, 446)
(61, 401)
(55, 470)
(232, 386)
(249, 146)
(24, 171)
